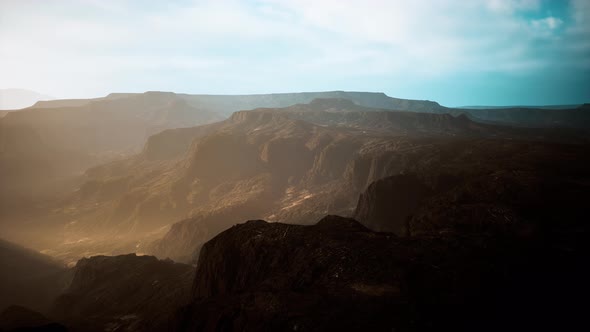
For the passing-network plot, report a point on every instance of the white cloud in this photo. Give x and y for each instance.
(93, 47)
(550, 23)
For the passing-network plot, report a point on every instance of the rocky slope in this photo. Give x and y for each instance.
(344, 113)
(454, 176)
(338, 275)
(44, 148)
(292, 164)
(123, 293)
(77, 134)
(106, 125)
(262, 163)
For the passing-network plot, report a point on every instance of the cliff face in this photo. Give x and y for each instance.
(387, 204)
(338, 275)
(128, 292)
(481, 186)
(267, 249)
(271, 276)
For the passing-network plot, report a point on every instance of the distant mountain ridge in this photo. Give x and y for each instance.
(570, 116)
(227, 104)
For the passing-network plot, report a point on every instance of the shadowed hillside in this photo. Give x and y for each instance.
(338, 275)
(28, 278)
(123, 293)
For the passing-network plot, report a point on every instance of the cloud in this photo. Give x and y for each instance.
(550, 23)
(92, 47)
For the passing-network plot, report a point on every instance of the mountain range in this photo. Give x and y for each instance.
(300, 211)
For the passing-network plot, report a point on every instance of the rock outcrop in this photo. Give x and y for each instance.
(388, 204)
(127, 292)
(338, 275)
(481, 186)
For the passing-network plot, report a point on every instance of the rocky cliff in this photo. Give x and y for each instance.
(127, 292)
(502, 185)
(338, 275)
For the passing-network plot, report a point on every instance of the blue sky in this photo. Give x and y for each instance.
(457, 52)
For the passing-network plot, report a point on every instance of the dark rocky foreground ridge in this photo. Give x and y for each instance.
(335, 275)
(338, 275)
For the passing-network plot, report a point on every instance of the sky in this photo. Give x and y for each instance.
(456, 52)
